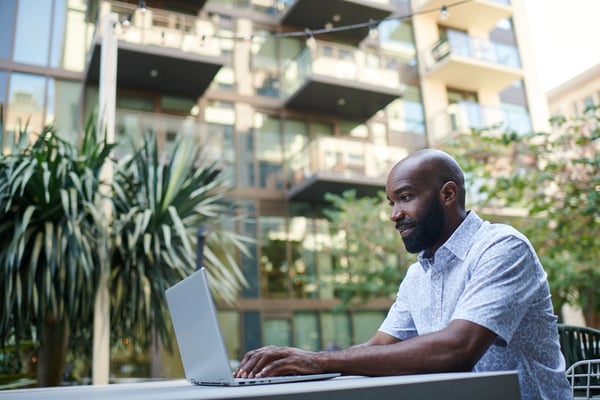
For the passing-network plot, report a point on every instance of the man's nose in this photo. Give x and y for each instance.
(396, 214)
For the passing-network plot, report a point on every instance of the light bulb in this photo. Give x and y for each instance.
(310, 39)
(444, 13)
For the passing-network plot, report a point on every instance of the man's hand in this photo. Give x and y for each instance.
(278, 361)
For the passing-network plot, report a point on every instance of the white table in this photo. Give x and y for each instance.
(447, 386)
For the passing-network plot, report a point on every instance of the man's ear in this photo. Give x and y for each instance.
(449, 191)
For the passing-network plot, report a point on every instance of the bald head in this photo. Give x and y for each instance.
(433, 167)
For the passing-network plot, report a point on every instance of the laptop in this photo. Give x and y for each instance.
(201, 345)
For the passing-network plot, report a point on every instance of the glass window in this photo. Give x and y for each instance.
(274, 268)
(320, 129)
(63, 108)
(269, 151)
(251, 331)
(336, 330)
(325, 264)
(277, 332)
(136, 103)
(365, 324)
(295, 149)
(220, 112)
(246, 174)
(407, 114)
(353, 128)
(178, 105)
(71, 35)
(7, 25)
(26, 102)
(229, 321)
(306, 331)
(265, 64)
(396, 32)
(249, 261)
(516, 118)
(70, 43)
(302, 244)
(33, 31)
(3, 84)
(225, 78)
(58, 33)
(219, 147)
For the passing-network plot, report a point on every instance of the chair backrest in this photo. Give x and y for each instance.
(579, 343)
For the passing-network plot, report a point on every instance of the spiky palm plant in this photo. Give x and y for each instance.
(159, 203)
(52, 236)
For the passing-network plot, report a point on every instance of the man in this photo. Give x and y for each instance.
(476, 300)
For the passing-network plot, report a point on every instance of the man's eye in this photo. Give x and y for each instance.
(405, 197)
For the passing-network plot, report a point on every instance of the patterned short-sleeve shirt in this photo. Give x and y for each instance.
(488, 274)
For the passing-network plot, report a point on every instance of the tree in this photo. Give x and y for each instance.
(54, 232)
(367, 252)
(53, 235)
(160, 201)
(555, 178)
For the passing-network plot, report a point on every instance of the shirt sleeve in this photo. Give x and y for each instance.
(399, 322)
(502, 286)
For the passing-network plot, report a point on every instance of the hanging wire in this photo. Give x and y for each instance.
(444, 10)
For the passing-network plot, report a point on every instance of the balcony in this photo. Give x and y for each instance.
(131, 126)
(319, 14)
(160, 51)
(465, 116)
(333, 165)
(468, 63)
(339, 80)
(475, 15)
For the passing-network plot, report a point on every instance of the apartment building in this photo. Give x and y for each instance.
(571, 98)
(295, 98)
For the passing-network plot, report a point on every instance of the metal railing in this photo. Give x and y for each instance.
(344, 157)
(418, 4)
(465, 116)
(584, 377)
(461, 44)
(340, 62)
(166, 29)
(131, 126)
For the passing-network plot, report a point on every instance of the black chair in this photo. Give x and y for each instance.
(581, 348)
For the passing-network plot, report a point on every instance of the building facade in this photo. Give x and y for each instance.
(571, 98)
(295, 98)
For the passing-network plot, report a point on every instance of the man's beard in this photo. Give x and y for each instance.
(426, 230)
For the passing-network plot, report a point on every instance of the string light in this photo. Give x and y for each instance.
(444, 13)
(142, 7)
(310, 39)
(373, 32)
(310, 34)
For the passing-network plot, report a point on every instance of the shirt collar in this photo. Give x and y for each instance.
(459, 242)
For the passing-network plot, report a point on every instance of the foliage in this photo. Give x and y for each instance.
(365, 248)
(159, 204)
(53, 232)
(555, 178)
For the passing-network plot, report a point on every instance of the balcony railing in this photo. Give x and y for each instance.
(339, 62)
(131, 126)
(465, 116)
(285, 4)
(418, 4)
(268, 7)
(343, 157)
(166, 29)
(461, 44)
